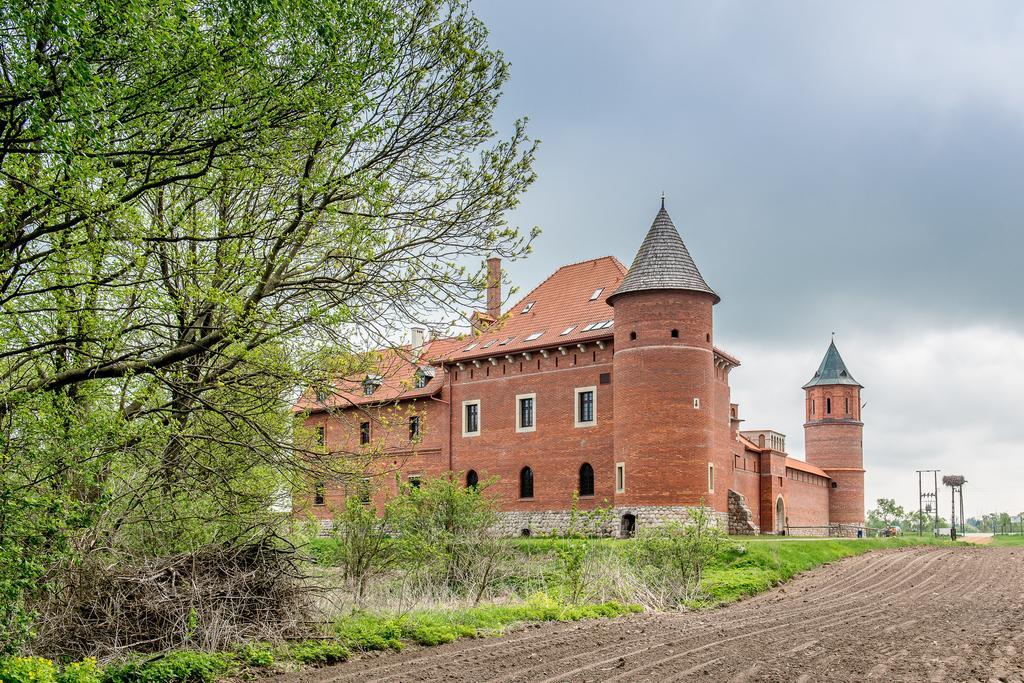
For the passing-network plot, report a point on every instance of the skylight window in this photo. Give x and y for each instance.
(470, 347)
(529, 306)
(597, 293)
(506, 341)
(489, 344)
(588, 327)
(606, 324)
(567, 330)
(535, 335)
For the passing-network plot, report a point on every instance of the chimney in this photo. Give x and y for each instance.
(418, 335)
(494, 287)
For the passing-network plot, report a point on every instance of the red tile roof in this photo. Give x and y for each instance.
(397, 372)
(801, 465)
(561, 302)
(749, 445)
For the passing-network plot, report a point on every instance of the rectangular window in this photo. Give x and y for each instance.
(620, 477)
(525, 415)
(605, 378)
(364, 433)
(711, 478)
(364, 491)
(319, 493)
(414, 427)
(586, 406)
(471, 418)
(415, 480)
(320, 435)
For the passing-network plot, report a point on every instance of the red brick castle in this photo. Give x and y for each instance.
(602, 381)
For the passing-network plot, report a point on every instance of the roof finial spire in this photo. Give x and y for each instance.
(663, 199)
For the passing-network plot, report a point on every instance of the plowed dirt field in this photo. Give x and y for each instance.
(920, 614)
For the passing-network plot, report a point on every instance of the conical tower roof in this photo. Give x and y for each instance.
(663, 262)
(832, 370)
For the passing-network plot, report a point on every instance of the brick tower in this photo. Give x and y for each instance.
(834, 436)
(664, 377)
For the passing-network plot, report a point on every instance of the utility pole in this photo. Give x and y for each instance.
(955, 482)
(922, 497)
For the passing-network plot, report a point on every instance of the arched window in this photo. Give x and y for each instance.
(586, 479)
(472, 479)
(828, 406)
(632, 336)
(526, 483)
(675, 334)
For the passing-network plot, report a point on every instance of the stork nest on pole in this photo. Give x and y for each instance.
(954, 480)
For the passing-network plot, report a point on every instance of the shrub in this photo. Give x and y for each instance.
(362, 544)
(452, 528)
(671, 559)
(572, 563)
(367, 632)
(27, 670)
(84, 671)
(183, 666)
(318, 653)
(256, 654)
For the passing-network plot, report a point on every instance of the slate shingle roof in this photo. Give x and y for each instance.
(832, 370)
(663, 262)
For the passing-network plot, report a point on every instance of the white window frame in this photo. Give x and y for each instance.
(479, 417)
(519, 413)
(711, 477)
(576, 407)
(620, 477)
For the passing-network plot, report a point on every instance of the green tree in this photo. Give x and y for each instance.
(202, 207)
(886, 514)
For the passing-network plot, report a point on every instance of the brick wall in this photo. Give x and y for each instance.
(665, 440)
(557, 449)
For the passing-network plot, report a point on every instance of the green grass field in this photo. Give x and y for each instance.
(1007, 540)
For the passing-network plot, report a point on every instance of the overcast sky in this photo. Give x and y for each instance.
(856, 167)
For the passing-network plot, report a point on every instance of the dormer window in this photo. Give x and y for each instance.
(371, 384)
(596, 294)
(528, 306)
(423, 377)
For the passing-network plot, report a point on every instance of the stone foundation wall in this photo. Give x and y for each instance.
(515, 523)
(741, 519)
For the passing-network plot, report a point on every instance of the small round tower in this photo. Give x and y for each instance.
(834, 436)
(664, 376)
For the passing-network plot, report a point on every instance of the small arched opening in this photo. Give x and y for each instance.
(675, 334)
(627, 527)
(472, 479)
(780, 516)
(632, 336)
(525, 533)
(526, 483)
(586, 479)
